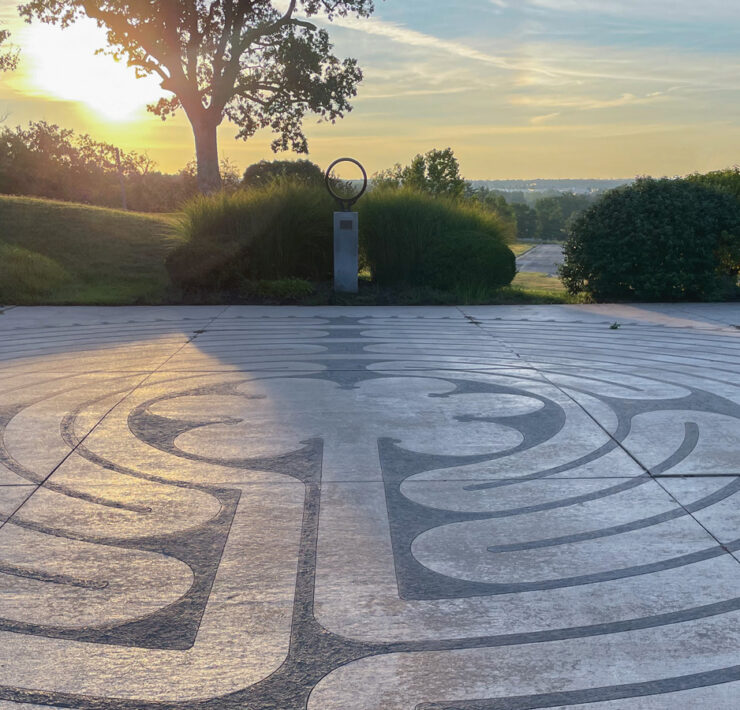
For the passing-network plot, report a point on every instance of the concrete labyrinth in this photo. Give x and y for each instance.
(369, 509)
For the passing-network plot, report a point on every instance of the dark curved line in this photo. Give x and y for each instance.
(687, 446)
(690, 440)
(633, 482)
(650, 362)
(496, 588)
(40, 576)
(597, 379)
(712, 499)
(604, 449)
(16, 467)
(573, 632)
(715, 497)
(603, 346)
(593, 695)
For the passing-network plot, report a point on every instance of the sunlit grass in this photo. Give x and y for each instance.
(76, 254)
(520, 248)
(533, 281)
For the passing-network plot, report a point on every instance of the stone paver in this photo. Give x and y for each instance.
(543, 259)
(485, 508)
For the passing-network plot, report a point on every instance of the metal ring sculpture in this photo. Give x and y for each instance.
(346, 202)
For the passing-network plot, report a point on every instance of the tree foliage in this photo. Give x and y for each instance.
(655, 240)
(266, 171)
(553, 214)
(526, 221)
(727, 180)
(244, 60)
(44, 160)
(435, 173)
(8, 57)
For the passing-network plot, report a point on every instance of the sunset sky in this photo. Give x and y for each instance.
(518, 88)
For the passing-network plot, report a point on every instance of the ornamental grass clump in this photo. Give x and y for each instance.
(411, 238)
(279, 231)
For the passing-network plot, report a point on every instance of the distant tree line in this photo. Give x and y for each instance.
(44, 160)
(438, 173)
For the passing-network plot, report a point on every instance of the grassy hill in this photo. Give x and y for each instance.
(64, 253)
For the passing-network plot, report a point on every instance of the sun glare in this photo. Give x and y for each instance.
(63, 64)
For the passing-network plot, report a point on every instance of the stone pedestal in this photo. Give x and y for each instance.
(346, 251)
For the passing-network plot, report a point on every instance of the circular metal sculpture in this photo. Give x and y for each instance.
(346, 202)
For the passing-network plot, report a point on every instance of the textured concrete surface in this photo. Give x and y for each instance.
(542, 259)
(485, 508)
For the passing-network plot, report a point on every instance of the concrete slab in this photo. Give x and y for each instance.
(370, 508)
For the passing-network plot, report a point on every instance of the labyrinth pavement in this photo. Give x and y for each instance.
(370, 509)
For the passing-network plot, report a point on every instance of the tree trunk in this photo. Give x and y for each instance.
(206, 151)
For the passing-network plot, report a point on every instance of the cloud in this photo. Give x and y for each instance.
(413, 38)
(584, 103)
(412, 92)
(675, 10)
(538, 120)
(552, 62)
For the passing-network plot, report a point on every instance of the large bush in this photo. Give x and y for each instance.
(415, 239)
(263, 173)
(655, 240)
(280, 231)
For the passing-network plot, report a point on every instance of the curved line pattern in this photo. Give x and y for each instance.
(137, 540)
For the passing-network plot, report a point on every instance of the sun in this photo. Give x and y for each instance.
(63, 64)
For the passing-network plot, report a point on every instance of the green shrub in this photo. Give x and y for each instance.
(263, 173)
(411, 238)
(26, 275)
(655, 240)
(280, 231)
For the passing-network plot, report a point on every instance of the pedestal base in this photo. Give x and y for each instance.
(346, 251)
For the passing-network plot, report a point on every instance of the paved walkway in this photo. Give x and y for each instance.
(491, 508)
(542, 259)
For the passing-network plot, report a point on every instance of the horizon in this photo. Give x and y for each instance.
(557, 88)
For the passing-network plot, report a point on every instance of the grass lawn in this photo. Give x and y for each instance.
(64, 253)
(532, 281)
(520, 248)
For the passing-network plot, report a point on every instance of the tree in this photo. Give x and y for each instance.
(45, 160)
(526, 221)
(436, 172)
(238, 59)
(727, 180)
(656, 240)
(8, 58)
(493, 200)
(550, 219)
(556, 213)
(266, 171)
